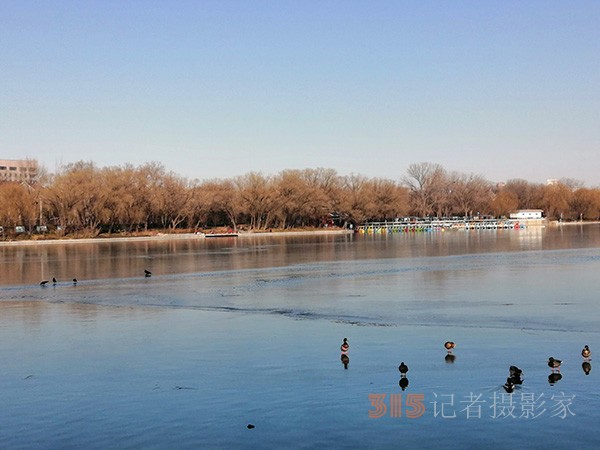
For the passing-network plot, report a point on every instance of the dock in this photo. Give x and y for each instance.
(431, 225)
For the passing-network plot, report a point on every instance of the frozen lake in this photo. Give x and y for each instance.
(231, 332)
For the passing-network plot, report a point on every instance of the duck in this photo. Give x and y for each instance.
(74, 281)
(147, 273)
(515, 371)
(449, 345)
(554, 364)
(403, 368)
(515, 375)
(586, 352)
(43, 283)
(509, 386)
(53, 280)
(345, 346)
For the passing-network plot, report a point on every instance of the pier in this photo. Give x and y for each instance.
(429, 225)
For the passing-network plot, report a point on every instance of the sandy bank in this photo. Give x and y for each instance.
(169, 237)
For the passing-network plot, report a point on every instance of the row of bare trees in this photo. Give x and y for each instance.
(85, 198)
(434, 191)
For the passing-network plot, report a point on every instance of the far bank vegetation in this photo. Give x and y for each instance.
(83, 199)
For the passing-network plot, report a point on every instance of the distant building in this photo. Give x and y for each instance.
(527, 214)
(18, 170)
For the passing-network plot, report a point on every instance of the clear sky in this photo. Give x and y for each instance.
(215, 89)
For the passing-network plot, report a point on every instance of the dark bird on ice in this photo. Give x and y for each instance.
(403, 368)
(554, 364)
(147, 273)
(586, 352)
(345, 346)
(515, 375)
(515, 371)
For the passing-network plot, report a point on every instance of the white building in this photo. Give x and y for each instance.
(18, 170)
(527, 214)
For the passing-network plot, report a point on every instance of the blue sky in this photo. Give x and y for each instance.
(216, 89)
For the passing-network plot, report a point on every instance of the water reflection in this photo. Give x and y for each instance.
(403, 383)
(354, 279)
(28, 264)
(587, 367)
(450, 358)
(345, 361)
(554, 377)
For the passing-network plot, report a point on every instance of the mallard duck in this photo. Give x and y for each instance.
(586, 352)
(554, 364)
(449, 345)
(515, 371)
(345, 346)
(515, 375)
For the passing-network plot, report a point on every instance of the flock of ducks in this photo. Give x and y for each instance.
(515, 375)
(147, 274)
(45, 282)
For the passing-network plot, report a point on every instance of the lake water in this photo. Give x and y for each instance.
(243, 331)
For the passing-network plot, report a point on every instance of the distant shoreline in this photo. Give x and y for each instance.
(560, 224)
(172, 237)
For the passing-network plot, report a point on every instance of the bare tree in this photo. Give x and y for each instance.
(504, 202)
(555, 200)
(257, 196)
(585, 204)
(470, 193)
(425, 181)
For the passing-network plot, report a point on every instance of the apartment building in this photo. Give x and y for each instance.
(18, 170)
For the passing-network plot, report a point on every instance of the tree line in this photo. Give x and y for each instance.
(85, 199)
